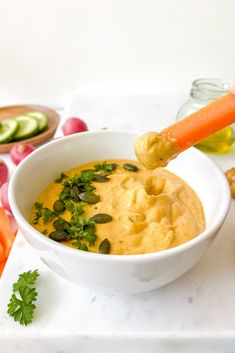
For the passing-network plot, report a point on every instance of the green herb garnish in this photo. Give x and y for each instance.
(76, 209)
(82, 229)
(21, 306)
(61, 178)
(83, 247)
(106, 167)
(82, 181)
(43, 213)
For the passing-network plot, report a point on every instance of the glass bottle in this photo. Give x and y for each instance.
(204, 91)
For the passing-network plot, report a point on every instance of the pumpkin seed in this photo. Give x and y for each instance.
(67, 189)
(75, 193)
(59, 206)
(87, 170)
(114, 165)
(105, 247)
(102, 218)
(101, 178)
(130, 167)
(61, 224)
(90, 228)
(89, 197)
(59, 235)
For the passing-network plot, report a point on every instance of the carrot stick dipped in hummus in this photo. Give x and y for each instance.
(155, 149)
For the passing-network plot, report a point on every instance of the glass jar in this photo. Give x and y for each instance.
(204, 91)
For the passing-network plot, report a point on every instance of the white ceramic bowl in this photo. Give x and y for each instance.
(114, 273)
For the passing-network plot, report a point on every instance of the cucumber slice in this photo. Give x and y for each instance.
(8, 128)
(41, 118)
(28, 126)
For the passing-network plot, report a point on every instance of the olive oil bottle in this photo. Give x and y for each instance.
(204, 91)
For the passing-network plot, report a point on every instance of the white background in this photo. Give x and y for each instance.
(51, 47)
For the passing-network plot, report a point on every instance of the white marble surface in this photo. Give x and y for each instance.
(193, 314)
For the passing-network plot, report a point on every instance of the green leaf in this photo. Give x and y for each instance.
(106, 167)
(75, 208)
(82, 181)
(38, 213)
(61, 178)
(43, 213)
(26, 279)
(82, 229)
(48, 215)
(21, 306)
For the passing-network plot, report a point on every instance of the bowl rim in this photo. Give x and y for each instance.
(124, 258)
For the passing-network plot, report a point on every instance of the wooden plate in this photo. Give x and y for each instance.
(14, 110)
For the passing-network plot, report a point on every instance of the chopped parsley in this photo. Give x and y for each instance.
(82, 230)
(61, 178)
(82, 181)
(76, 209)
(43, 213)
(106, 167)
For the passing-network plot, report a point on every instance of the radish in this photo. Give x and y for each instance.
(232, 86)
(74, 125)
(20, 151)
(4, 198)
(13, 224)
(3, 172)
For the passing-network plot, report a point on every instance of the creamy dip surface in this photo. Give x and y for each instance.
(149, 210)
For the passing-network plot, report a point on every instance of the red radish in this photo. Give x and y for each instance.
(13, 224)
(3, 172)
(232, 86)
(20, 151)
(4, 198)
(74, 125)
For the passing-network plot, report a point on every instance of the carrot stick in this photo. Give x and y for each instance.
(2, 265)
(7, 236)
(2, 253)
(206, 121)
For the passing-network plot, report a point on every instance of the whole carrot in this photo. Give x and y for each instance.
(7, 235)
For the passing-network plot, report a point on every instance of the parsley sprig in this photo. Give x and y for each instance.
(21, 306)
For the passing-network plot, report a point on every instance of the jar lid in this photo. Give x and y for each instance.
(208, 89)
